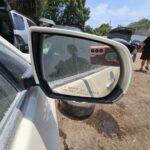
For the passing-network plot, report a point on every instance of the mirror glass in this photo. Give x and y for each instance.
(79, 67)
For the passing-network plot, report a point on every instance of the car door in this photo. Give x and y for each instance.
(27, 116)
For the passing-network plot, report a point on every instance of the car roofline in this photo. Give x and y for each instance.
(22, 15)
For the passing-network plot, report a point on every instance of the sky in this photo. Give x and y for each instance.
(117, 12)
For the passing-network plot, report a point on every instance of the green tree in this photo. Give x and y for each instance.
(141, 27)
(141, 24)
(88, 29)
(54, 10)
(30, 8)
(67, 12)
(102, 30)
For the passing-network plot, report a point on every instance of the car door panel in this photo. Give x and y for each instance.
(10, 122)
(38, 127)
(32, 122)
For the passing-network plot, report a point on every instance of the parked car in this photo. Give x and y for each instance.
(137, 39)
(21, 26)
(27, 116)
(123, 35)
(44, 22)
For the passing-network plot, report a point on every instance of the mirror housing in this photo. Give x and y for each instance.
(37, 35)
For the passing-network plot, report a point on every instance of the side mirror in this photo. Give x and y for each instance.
(69, 65)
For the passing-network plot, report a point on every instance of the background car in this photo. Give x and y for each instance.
(21, 26)
(18, 22)
(67, 28)
(123, 35)
(44, 22)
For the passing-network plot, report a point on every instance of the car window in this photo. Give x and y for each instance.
(18, 22)
(30, 23)
(7, 95)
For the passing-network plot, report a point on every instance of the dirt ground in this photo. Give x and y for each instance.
(124, 125)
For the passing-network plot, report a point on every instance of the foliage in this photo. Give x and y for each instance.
(30, 8)
(142, 27)
(88, 29)
(54, 10)
(141, 24)
(101, 30)
(67, 12)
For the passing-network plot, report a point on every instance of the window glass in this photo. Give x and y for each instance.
(7, 95)
(18, 22)
(30, 23)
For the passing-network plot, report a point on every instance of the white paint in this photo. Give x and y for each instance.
(120, 48)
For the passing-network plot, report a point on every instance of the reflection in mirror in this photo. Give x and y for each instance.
(79, 67)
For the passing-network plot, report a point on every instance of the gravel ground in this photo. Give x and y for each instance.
(124, 125)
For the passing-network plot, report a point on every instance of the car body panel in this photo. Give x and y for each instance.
(25, 57)
(31, 123)
(9, 123)
(38, 127)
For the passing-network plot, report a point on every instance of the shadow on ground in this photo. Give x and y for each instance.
(143, 71)
(64, 137)
(105, 123)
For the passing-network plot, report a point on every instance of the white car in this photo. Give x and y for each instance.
(66, 65)
(21, 26)
(28, 117)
